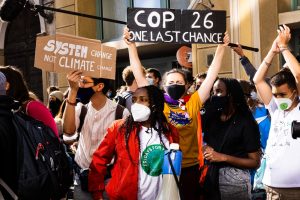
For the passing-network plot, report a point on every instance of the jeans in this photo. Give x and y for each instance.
(234, 183)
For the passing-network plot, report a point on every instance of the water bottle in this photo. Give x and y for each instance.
(169, 189)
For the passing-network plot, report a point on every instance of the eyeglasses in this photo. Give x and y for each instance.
(83, 81)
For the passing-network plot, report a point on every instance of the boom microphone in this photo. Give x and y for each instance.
(244, 47)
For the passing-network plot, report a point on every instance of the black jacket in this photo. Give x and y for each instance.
(8, 169)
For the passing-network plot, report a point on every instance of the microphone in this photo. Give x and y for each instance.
(244, 47)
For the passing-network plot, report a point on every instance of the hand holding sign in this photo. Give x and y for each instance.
(127, 36)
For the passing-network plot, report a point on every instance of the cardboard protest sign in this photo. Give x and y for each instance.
(63, 53)
(176, 26)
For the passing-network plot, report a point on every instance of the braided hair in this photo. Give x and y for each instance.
(157, 119)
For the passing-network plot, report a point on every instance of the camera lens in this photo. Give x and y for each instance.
(295, 129)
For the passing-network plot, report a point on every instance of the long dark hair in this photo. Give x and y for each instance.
(157, 118)
(236, 94)
(17, 86)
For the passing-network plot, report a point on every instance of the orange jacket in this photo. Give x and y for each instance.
(124, 181)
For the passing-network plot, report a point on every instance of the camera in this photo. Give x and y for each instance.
(295, 129)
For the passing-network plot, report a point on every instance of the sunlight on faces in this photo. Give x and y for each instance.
(283, 91)
(86, 82)
(175, 78)
(140, 96)
(219, 89)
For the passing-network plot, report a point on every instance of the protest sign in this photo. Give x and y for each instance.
(176, 26)
(63, 53)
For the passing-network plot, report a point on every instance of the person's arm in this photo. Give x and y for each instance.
(68, 122)
(134, 59)
(247, 65)
(252, 162)
(262, 87)
(283, 39)
(101, 158)
(213, 70)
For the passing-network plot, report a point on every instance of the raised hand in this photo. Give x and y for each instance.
(239, 50)
(226, 39)
(284, 36)
(73, 79)
(127, 36)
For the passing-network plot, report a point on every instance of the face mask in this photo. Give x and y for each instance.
(140, 113)
(85, 94)
(219, 102)
(150, 81)
(283, 103)
(54, 106)
(175, 91)
(253, 95)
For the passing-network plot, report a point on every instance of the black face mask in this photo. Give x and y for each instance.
(54, 106)
(175, 91)
(214, 107)
(219, 102)
(84, 94)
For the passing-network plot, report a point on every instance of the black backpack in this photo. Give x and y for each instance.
(44, 168)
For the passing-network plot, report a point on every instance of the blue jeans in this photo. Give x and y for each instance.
(234, 183)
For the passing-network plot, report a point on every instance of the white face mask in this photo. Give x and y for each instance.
(253, 95)
(150, 81)
(140, 113)
(283, 103)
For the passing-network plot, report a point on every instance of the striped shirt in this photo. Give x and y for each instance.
(93, 130)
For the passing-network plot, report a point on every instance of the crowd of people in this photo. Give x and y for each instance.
(235, 135)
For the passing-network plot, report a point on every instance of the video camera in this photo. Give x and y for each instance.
(295, 129)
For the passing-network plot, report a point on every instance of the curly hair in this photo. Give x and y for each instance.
(158, 121)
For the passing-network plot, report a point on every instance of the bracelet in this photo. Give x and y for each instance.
(71, 103)
(282, 49)
(266, 63)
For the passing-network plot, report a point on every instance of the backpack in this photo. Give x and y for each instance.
(121, 99)
(44, 168)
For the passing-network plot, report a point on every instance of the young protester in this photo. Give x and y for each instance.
(153, 76)
(137, 145)
(55, 100)
(100, 113)
(17, 88)
(182, 112)
(233, 145)
(282, 173)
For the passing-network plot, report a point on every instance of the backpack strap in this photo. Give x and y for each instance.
(81, 117)
(119, 112)
(8, 189)
(128, 94)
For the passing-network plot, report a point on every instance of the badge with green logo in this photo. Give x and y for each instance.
(152, 159)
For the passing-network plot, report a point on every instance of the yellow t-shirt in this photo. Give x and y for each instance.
(186, 123)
